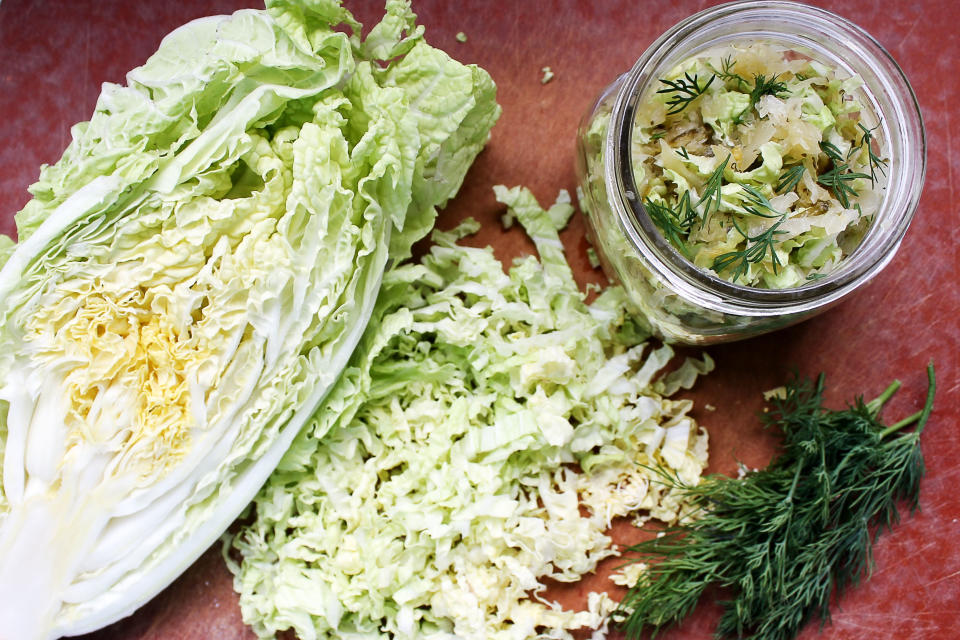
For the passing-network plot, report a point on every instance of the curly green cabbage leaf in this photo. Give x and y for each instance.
(487, 430)
(191, 278)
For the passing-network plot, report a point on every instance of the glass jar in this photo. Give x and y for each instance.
(682, 302)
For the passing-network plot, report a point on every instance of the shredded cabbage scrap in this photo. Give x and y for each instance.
(487, 430)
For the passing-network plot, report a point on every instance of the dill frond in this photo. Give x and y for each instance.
(783, 540)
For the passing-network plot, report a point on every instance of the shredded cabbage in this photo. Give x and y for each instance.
(190, 279)
(487, 430)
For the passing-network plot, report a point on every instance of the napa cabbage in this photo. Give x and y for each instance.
(190, 279)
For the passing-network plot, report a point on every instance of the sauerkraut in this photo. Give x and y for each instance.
(759, 163)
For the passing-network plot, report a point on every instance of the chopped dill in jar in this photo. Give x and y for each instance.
(759, 164)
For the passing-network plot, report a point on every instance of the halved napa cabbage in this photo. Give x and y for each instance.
(190, 279)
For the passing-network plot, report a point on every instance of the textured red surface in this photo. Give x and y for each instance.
(55, 55)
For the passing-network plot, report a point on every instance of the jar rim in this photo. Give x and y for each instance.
(898, 202)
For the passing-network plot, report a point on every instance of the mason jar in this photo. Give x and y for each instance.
(688, 304)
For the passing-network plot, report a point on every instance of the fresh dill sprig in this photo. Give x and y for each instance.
(683, 153)
(762, 87)
(756, 247)
(726, 71)
(766, 87)
(711, 191)
(754, 251)
(674, 225)
(875, 162)
(685, 90)
(687, 212)
(832, 151)
(758, 201)
(787, 538)
(789, 179)
(838, 180)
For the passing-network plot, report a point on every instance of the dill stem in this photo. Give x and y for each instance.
(877, 403)
(920, 416)
(901, 424)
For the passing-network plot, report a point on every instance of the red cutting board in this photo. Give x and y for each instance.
(55, 54)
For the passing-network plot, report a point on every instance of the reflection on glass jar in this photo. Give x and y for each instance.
(759, 162)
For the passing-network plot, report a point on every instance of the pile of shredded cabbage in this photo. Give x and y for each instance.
(487, 430)
(807, 124)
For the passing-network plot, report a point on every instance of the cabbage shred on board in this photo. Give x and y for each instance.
(486, 431)
(190, 279)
